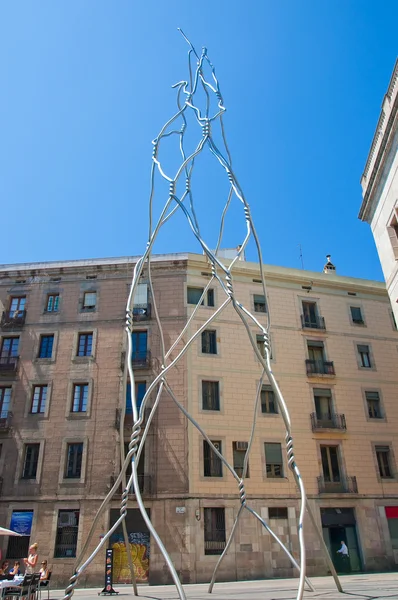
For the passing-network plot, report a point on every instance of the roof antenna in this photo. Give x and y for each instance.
(301, 256)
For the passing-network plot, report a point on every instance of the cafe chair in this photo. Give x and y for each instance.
(22, 591)
(45, 584)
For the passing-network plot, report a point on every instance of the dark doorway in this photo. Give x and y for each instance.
(139, 542)
(339, 525)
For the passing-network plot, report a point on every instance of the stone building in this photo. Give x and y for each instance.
(334, 353)
(380, 189)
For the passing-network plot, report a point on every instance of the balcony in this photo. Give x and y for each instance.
(5, 420)
(319, 367)
(314, 322)
(8, 364)
(13, 319)
(346, 485)
(141, 359)
(330, 421)
(141, 312)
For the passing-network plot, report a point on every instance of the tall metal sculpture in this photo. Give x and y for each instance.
(182, 200)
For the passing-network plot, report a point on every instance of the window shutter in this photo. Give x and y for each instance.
(363, 348)
(322, 392)
(372, 395)
(141, 294)
(273, 453)
(392, 231)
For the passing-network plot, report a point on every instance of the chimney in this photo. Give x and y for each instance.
(329, 267)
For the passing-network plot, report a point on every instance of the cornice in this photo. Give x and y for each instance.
(382, 139)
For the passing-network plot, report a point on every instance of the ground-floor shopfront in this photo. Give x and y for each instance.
(195, 531)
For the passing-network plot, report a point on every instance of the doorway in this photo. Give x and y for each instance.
(339, 525)
(139, 542)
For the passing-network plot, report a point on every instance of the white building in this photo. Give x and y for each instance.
(380, 189)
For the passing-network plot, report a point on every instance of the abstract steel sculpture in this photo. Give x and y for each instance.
(221, 274)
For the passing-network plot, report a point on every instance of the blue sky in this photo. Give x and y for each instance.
(86, 86)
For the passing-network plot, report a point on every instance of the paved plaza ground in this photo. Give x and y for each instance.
(381, 586)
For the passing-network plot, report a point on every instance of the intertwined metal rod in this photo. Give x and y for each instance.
(187, 93)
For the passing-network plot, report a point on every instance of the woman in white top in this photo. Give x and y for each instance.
(32, 559)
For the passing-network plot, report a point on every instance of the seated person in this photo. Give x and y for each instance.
(4, 568)
(43, 571)
(15, 570)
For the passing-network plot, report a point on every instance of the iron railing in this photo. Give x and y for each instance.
(345, 485)
(319, 367)
(141, 359)
(8, 364)
(11, 319)
(314, 322)
(328, 421)
(5, 420)
(141, 312)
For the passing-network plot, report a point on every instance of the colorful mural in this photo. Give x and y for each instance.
(139, 549)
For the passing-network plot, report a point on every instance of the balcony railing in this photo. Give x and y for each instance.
(5, 420)
(129, 421)
(329, 421)
(141, 359)
(314, 322)
(346, 485)
(319, 367)
(11, 319)
(141, 312)
(8, 364)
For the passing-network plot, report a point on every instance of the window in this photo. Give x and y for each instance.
(277, 512)
(140, 345)
(89, 300)
(74, 454)
(214, 530)
(39, 398)
(364, 356)
(17, 305)
(316, 352)
(5, 399)
(210, 395)
(268, 401)
(310, 317)
(239, 452)
(140, 389)
(85, 344)
(273, 460)
(52, 303)
(261, 345)
(356, 315)
(67, 529)
(330, 464)
(80, 397)
(374, 405)
(9, 349)
(31, 458)
(209, 341)
(316, 363)
(46, 346)
(323, 404)
(392, 230)
(260, 304)
(210, 297)
(194, 294)
(383, 455)
(211, 462)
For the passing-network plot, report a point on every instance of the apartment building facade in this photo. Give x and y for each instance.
(379, 183)
(334, 353)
